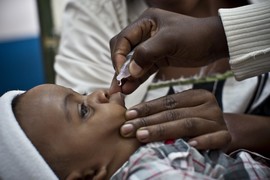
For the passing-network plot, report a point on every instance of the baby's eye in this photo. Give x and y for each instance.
(84, 110)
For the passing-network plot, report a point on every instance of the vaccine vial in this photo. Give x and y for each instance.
(124, 71)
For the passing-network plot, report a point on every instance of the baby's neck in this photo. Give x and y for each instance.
(125, 149)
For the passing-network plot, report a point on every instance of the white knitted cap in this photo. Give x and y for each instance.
(19, 159)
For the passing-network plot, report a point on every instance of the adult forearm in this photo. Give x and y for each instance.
(248, 132)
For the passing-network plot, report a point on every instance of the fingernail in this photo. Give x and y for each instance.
(134, 68)
(142, 134)
(127, 129)
(131, 114)
(193, 143)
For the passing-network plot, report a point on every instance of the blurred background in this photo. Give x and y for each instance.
(29, 35)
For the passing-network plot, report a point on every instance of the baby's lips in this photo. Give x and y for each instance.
(118, 98)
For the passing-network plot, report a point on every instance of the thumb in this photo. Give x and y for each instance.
(147, 54)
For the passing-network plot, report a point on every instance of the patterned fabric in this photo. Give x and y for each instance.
(180, 161)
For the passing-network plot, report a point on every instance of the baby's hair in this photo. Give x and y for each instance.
(56, 164)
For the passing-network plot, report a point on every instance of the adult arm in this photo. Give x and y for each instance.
(250, 132)
(160, 37)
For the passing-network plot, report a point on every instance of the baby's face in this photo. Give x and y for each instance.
(83, 130)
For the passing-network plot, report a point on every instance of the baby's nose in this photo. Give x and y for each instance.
(101, 96)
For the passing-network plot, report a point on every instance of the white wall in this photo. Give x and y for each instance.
(18, 19)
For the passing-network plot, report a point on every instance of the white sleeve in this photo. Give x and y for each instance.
(247, 29)
(83, 60)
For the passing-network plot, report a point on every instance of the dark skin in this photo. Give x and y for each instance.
(149, 34)
(195, 8)
(199, 9)
(198, 42)
(190, 114)
(166, 118)
(78, 135)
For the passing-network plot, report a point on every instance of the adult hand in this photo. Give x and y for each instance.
(162, 38)
(193, 114)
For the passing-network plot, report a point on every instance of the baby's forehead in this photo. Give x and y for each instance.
(43, 104)
(47, 90)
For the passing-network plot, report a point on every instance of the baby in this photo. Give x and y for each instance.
(52, 132)
(77, 135)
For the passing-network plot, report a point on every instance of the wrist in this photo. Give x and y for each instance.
(218, 42)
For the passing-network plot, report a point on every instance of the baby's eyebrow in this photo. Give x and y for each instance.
(67, 113)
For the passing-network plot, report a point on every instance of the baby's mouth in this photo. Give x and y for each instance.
(118, 98)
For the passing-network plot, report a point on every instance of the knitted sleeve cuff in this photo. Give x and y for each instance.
(247, 29)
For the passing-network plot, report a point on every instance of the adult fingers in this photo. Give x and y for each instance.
(130, 84)
(215, 140)
(176, 122)
(187, 127)
(127, 39)
(151, 52)
(188, 98)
